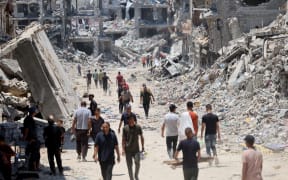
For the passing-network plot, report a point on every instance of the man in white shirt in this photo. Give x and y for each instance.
(184, 122)
(80, 127)
(171, 121)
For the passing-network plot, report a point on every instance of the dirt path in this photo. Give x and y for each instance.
(153, 168)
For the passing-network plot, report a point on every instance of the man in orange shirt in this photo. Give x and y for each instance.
(194, 117)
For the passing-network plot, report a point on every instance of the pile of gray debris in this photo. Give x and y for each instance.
(247, 85)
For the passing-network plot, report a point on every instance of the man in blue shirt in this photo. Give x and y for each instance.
(190, 148)
(105, 143)
(125, 117)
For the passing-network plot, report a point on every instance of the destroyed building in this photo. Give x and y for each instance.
(224, 21)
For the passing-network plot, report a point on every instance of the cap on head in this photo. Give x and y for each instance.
(172, 107)
(91, 95)
(249, 139)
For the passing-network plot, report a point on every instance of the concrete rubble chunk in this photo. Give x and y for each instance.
(11, 68)
(235, 74)
(17, 88)
(47, 80)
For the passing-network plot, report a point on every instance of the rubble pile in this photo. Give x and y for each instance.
(14, 90)
(140, 45)
(247, 86)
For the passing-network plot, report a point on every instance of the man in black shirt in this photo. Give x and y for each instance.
(210, 123)
(89, 78)
(52, 136)
(105, 80)
(30, 136)
(105, 144)
(125, 117)
(93, 104)
(96, 123)
(146, 98)
(190, 147)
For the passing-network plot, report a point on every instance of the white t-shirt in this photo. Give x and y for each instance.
(185, 121)
(171, 121)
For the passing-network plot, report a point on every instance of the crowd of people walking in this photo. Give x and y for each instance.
(179, 129)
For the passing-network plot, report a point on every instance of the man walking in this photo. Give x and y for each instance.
(194, 117)
(93, 104)
(130, 144)
(252, 161)
(119, 79)
(30, 136)
(105, 80)
(185, 121)
(52, 136)
(95, 77)
(79, 69)
(105, 144)
(191, 155)
(89, 78)
(171, 121)
(210, 123)
(96, 123)
(125, 116)
(126, 97)
(100, 77)
(145, 97)
(80, 126)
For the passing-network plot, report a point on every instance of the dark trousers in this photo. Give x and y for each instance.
(121, 107)
(125, 103)
(146, 109)
(171, 142)
(190, 173)
(106, 170)
(96, 83)
(82, 142)
(105, 87)
(129, 160)
(57, 153)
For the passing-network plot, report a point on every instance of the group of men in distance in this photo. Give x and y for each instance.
(125, 97)
(187, 123)
(101, 79)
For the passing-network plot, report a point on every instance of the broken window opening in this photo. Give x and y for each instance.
(22, 10)
(254, 2)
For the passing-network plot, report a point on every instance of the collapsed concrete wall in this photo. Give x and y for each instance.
(47, 80)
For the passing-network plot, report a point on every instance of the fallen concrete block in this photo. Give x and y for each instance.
(235, 74)
(50, 86)
(11, 68)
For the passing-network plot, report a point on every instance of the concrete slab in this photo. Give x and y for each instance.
(235, 74)
(42, 70)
